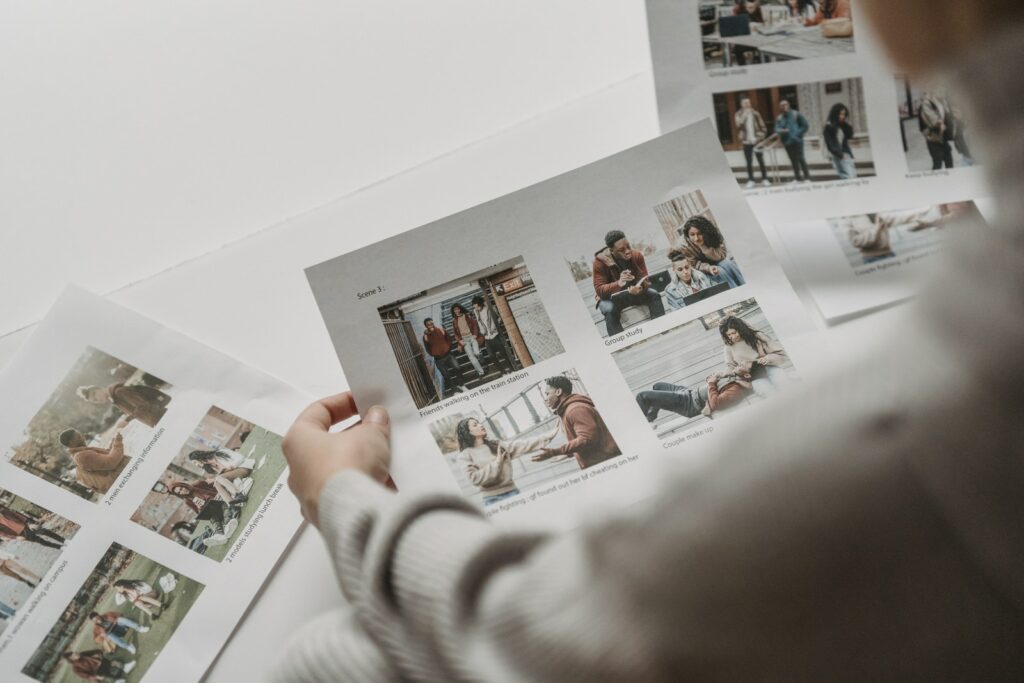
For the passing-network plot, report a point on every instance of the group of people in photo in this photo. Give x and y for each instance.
(472, 334)
(789, 130)
(487, 462)
(753, 366)
(796, 14)
(871, 234)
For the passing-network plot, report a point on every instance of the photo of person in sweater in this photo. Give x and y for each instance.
(705, 368)
(512, 444)
(469, 332)
(100, 416)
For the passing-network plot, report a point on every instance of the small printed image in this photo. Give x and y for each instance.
(873, 237)
(705, 368)
(641, 275)
(805, 133)
(470, 331)
(101, 415)
(214, 485)
(118, 622)
(750, 32)
(31, 540)
(500, 449)
(936, 135)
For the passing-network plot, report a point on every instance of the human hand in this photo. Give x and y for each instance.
(545, 454)
(625, 278)
(713, 377)
(762, 361)
(715, 270)
(315, 454)
(635, 290)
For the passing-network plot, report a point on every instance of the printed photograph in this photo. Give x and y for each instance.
(31, 540)
(873, 237)
(214, 485)
(706, 368)
(117, 624)
(936, 135)
(468, 332)
(749, 32)
(101, 415)
(499, 450)
(649, 271)
(806, 133)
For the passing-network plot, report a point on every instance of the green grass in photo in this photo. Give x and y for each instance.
(147, 645)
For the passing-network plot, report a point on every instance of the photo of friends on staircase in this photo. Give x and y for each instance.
(657, 269)
(501, 448)
(749, 32)
(103, 414)
(469, 332)
(214, 485)
(705, 368)
(806, 133)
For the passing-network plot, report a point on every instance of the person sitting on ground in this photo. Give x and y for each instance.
(717, 392)
(137, 401)
(624, 283)
(684, 280)
(231, 472)
(95, 467)
(751, 351)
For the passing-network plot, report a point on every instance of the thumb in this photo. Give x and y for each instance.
(377, 417)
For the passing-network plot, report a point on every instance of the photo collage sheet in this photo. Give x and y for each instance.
(143, 500)
(862, 174)
(539, 348)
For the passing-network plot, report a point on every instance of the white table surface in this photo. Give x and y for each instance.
(140, 167)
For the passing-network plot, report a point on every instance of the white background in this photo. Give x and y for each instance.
(151, 151)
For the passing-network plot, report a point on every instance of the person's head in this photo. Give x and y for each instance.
(458, 310)
(94, 616)
(71, 438)
(556, 389)
(751, 5)
(478, 302)
(784, 106)
(470, 432)
(682, 271)
(207, 460)
(618, 244)
(429, 324)
(701, 232)
(942, 28)
(92, 394)
(838, 114)
(734, 331)
(181, 490)
(745, 103)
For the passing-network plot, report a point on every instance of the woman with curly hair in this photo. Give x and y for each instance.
(488, 462)
(838, 133)
(752, 351)
(706, 251)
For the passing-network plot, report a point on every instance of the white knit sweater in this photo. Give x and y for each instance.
(870, 527)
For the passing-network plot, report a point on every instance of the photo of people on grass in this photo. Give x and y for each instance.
(797, 133)
(705, 368)
(31, 540)
(470, 331)
(873, 237)
(749, 32)
(936, 133)
(500, 449)
(118, 622)
(214, 484)
(652, 270)
(101, 415)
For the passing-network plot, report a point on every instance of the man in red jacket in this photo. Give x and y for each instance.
(589, 440)
(623, 283)
(438, 346)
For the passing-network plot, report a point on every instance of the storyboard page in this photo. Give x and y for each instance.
(539, 351)
(859, 171)
(142, 497)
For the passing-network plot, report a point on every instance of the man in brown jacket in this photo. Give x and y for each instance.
(588, 439)
(137, 401)
(95, 665)
(97, 467)
(624, 283)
